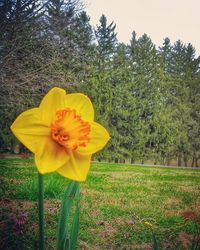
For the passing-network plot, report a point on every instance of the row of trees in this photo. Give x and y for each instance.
(148, 98)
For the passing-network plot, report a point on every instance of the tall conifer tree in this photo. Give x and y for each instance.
(106, 41)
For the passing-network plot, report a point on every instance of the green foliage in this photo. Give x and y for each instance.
(64, 239)
(106, 42)
(147, 98)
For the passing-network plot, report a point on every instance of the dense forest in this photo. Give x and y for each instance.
(147, 97)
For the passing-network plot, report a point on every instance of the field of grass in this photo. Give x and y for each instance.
(116, 200)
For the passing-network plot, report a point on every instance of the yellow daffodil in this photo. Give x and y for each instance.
(61, 133)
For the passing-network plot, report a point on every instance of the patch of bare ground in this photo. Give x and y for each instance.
(186, 188)
(87, 192)
(104, 198)
(125, 221)
(171, 201)
(52, 206)
(14, 181)
(197, 203)
(108, 230)
(85, 246)
(15, 205)
(185, 239)
(144, 246)
(94, 194)
(181, 241)
(94, 214)
(171, 206)
(171, 212)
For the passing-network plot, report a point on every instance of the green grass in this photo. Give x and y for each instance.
(115, 199)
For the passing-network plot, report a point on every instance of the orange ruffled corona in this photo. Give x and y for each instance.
(69, 130)
(61, 133)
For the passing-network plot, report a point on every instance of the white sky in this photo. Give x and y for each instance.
(176, 19)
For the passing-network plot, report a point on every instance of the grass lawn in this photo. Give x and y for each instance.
(116, 200)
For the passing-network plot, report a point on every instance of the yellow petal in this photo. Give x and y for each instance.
(29, 129)
(77, 167)
(98, 138)
(53, 101)
(82, 104)
(50, 156)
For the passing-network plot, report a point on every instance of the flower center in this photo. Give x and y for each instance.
(69, 130)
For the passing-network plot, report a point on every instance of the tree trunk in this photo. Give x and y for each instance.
(168, 162)
(185, 159)
(193, 159)
(179, 160)
(132, 161)
(196, 162)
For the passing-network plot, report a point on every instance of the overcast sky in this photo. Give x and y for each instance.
(176, 19)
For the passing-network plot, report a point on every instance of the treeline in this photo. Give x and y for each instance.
(147, 97)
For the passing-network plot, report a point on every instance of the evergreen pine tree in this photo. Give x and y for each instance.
(106, 42)
(71, 35)
(146, 91)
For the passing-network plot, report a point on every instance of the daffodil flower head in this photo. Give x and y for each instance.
(61, 133)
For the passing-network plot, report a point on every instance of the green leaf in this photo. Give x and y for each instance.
(193, 245)
(63, 238)
(75, 228)
(155, 243)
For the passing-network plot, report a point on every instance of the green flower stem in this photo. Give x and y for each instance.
(41, 211)
(66, 238)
